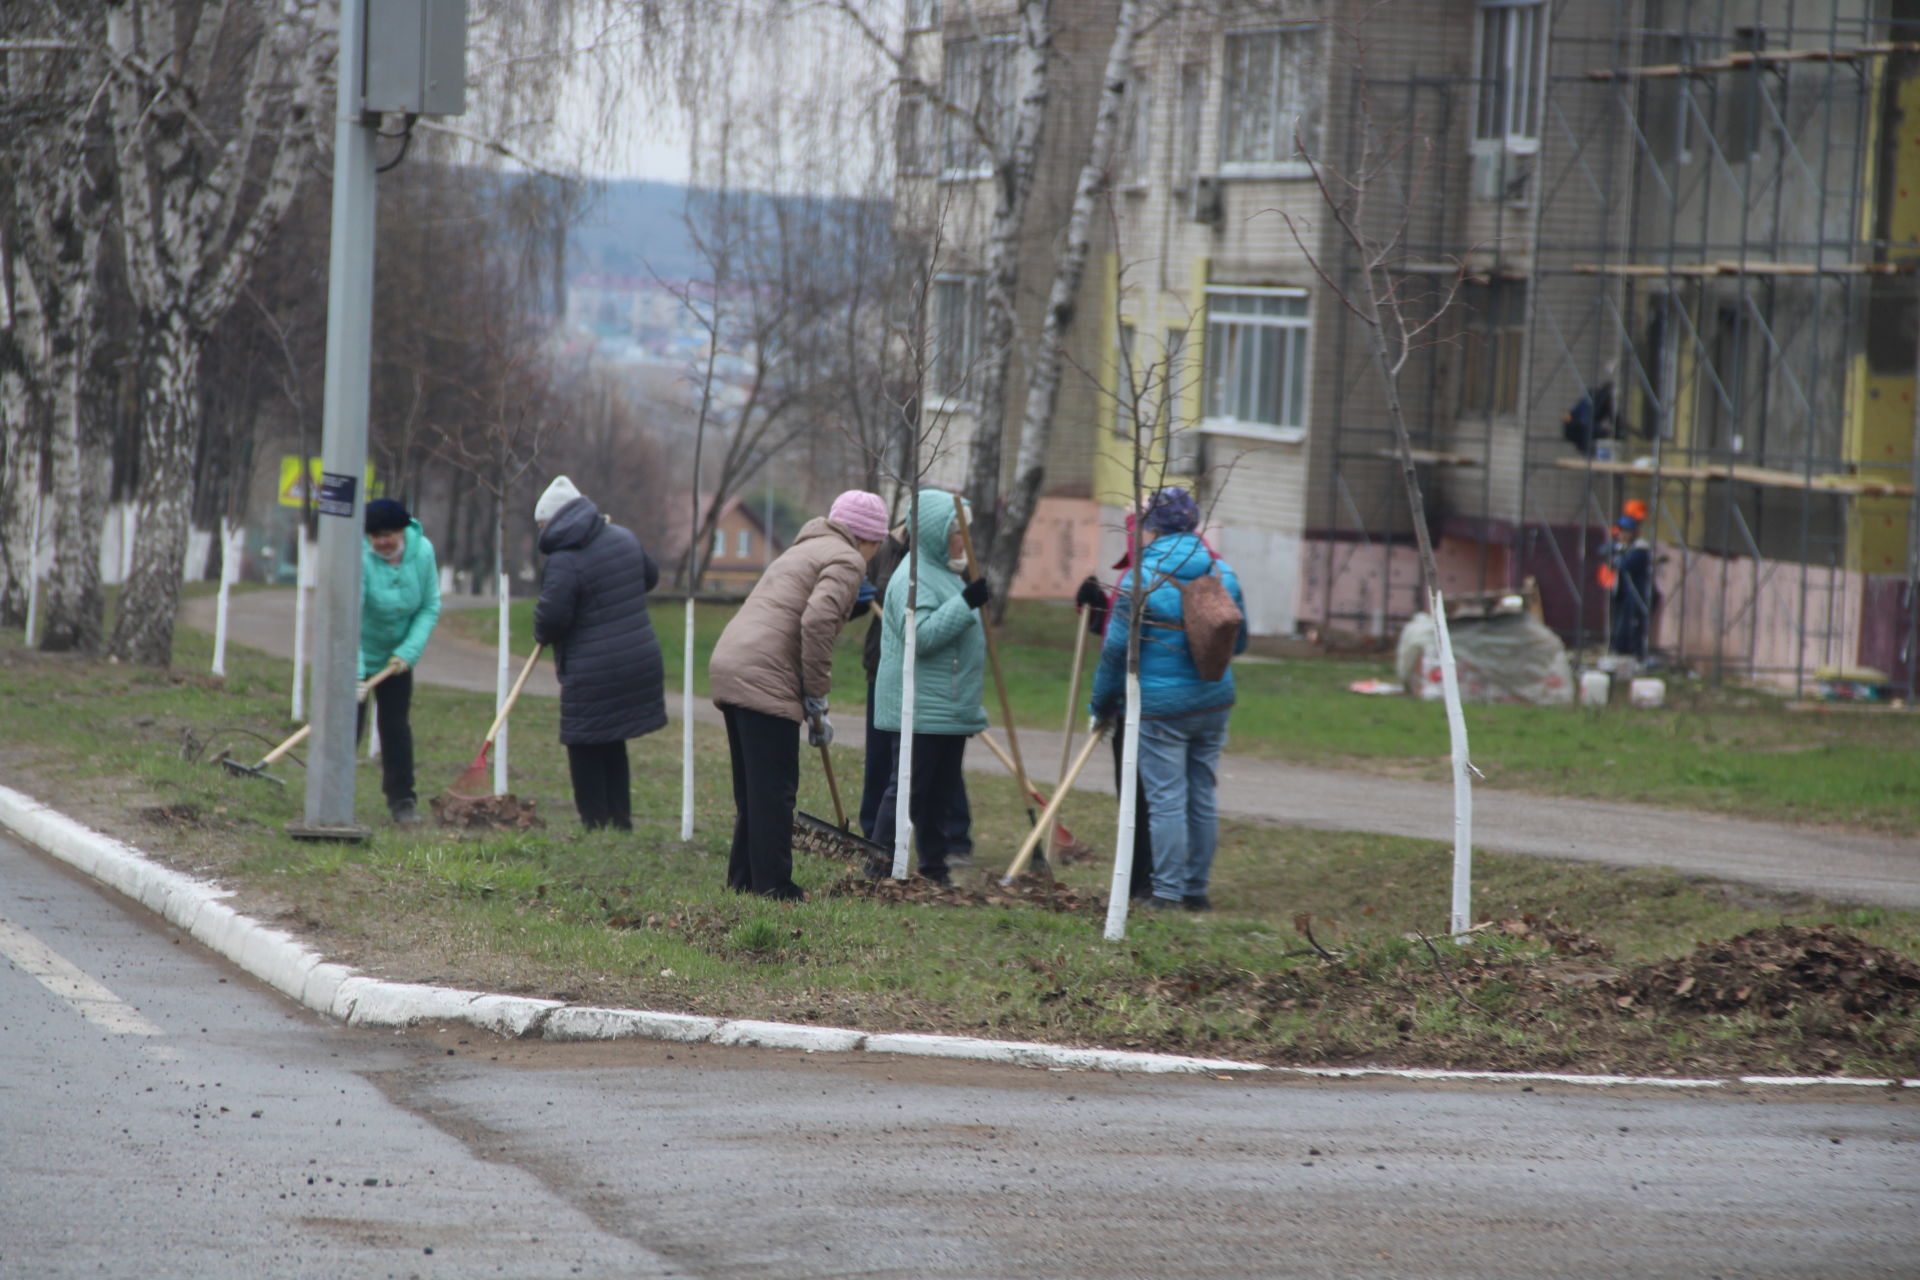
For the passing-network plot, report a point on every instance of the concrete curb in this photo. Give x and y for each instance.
(304, 976)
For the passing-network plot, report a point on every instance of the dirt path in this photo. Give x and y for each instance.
(1805, 859)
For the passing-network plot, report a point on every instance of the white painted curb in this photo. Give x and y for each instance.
(303, 975)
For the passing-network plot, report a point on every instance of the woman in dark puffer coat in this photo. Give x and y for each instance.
(593, 613)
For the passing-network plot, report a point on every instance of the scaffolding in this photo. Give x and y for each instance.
(1709, 223)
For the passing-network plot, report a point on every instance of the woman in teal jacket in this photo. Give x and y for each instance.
(399, 605)
(949, 669)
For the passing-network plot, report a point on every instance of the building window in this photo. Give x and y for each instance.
(979, 81)
(922, 14)
(913, 149)
(1256, 362)
(1183, 443)
(719, 542)
(1496, 327)
(743, 543)
(954, 335)
(1127, 393)
(1193, 102)
(1268, 107)
(1513, 48)
(1136, 141)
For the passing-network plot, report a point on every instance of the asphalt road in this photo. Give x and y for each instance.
(1802, 859)
(161, 1115)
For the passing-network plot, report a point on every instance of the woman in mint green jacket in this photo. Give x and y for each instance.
(949, 671)
(399, 605)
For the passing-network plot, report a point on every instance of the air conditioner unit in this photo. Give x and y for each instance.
(1206, 200)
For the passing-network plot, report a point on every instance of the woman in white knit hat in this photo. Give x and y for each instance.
(771, 672)
(593, 615)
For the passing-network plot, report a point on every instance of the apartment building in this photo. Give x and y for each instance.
(1689, 211)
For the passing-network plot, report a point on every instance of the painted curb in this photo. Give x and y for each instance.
(305, 976)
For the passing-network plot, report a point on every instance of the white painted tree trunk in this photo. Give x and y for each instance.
(1120, 893)
(33, 570)
(1461, 915)
(903, 787)
(503, 673)
(229, 573)
(686, 723)
(1048, 354)
(302, 581)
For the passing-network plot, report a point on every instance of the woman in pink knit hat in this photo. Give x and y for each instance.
(770, 673)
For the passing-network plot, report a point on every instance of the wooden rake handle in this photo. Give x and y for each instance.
(300, 734)
(993, 650)
(493, 730)
(833, 788)
(1040, 828)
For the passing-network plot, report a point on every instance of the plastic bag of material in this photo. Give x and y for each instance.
(1510, 658)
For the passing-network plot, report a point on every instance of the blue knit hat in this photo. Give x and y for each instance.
(384, 515)
(1172, 510)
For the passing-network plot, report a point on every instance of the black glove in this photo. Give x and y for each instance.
(977, 593)
(862, 601)
(1091, 594)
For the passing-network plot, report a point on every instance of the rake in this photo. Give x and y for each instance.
(473, 784)
(259, 769)
(838, 841)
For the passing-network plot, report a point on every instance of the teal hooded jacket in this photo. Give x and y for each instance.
(399, 603)
(951, 649)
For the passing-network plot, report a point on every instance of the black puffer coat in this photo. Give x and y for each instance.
(593, 614)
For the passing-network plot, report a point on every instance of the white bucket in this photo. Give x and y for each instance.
(1595, 686)
(1647, 691)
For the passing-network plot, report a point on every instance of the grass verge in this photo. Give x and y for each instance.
(1328, 947)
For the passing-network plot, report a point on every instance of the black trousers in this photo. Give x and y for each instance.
(765, 751)
(602, 784)
(883, 745)
(392, 700)
(937, 762)
(1141, 886)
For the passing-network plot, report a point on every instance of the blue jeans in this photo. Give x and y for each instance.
(1178, 762)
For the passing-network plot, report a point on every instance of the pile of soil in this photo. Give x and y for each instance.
(506, 812)
(1776, 971)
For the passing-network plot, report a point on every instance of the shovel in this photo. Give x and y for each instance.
(299, 736)
(472, 783)
(838, 841)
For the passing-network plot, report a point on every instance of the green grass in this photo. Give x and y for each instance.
(642, 920)
(1717, 750)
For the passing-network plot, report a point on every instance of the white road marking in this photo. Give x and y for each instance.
(89, 999)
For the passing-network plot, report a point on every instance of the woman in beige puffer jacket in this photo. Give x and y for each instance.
(772, 671)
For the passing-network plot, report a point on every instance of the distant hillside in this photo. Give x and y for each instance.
(634, 229)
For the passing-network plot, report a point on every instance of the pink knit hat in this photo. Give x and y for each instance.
(861, 514)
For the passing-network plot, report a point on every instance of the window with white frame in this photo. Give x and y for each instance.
(954, 335)
(1256, 362)
(1193, 103)
(1268, 104)
(743, 543)
(978, 80)
(719, 542)
(1513, 58)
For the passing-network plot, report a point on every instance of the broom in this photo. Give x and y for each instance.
(473, 783)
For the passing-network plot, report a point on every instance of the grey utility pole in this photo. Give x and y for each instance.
(411, 59)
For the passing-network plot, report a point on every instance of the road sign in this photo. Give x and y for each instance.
(296, 489)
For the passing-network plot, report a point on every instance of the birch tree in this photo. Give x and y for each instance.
(214, 107)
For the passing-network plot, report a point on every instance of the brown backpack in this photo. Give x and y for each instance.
(1212, 622)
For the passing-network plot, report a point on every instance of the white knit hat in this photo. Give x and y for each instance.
(558, 495)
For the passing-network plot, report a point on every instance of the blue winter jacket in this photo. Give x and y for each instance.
(399, 603)
(592, 613)
(1169, 684)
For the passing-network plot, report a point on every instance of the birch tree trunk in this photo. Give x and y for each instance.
(1015, 162)
(22, 344)
(75, 604)
(199, 192)
(1043, 377)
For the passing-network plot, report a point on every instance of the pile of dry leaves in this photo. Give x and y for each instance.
(506, 812)
(1775, 971)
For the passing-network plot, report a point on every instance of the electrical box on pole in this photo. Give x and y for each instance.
(417, 57)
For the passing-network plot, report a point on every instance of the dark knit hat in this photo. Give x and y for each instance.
(1172, 510)
(384, 515)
